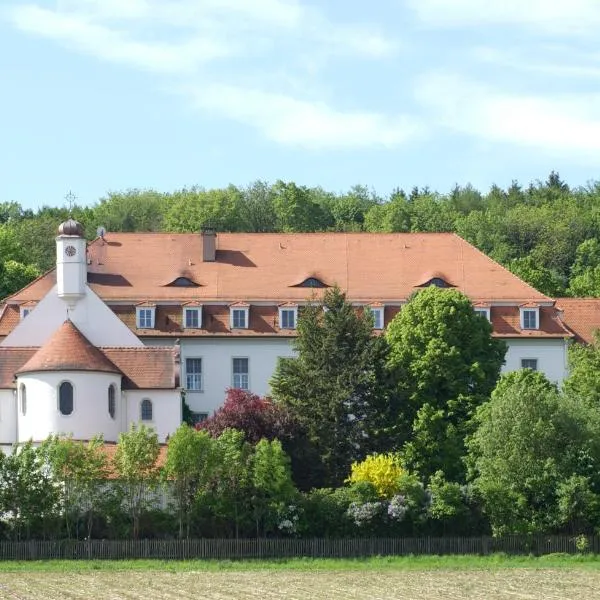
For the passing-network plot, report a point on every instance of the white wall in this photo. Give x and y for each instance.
(8, 417)
(91, 316)
(551, 355)
(90, 406)
(166, 410)
(217, 357)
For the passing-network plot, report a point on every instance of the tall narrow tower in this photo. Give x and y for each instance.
(71, 263)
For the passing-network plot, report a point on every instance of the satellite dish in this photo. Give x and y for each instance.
(101, 231)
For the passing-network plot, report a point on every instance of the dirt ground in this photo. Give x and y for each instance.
(547, 584)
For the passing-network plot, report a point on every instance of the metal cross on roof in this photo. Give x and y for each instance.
(71, 199)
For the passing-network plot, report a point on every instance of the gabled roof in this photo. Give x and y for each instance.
(68, 349)
(11, 360)
(264, 266)
(581, 315)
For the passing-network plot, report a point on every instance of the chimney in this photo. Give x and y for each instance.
(209, 244)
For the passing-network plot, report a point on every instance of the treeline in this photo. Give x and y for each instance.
(546, 233)
(412, 433)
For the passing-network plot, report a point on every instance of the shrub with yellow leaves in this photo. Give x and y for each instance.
(382, 471)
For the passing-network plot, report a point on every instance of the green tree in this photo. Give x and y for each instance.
(15, 276)
(191, 209)
(529, 442)
(28, 494)
(131, 210)
(135, 463)
(272, 484)
(81, 471)
(445, 363)
(584, 372)
(336, 386)
(295, 209)
(232, 477)
(189, 469)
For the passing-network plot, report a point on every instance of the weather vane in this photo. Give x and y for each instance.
(71, 199)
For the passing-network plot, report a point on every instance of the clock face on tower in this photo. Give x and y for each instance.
(70, 251)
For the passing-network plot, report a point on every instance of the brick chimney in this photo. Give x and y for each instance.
(209, 244)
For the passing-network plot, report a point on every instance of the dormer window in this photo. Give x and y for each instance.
(238, 316)
(483, 311)
(183, 282)
(288, 315)
(530, 318)
(145, 317)
(192, 317)
(25, 309)
(377, 314)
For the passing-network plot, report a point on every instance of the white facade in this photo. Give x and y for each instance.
(217, 356)
(8, 416)
(550, 354)
(71, 268)
(90, 315)
(166, 410)
(90, 414)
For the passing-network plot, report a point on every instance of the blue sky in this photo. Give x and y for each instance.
(100, 95)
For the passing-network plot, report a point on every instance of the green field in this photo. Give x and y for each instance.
(496, 577)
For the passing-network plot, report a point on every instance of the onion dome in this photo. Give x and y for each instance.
(71, 227)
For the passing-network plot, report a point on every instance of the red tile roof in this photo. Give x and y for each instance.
(68, 349)
(581, 315)
(267, 266)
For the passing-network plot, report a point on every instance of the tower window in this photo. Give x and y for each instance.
(65, 398)
(23, 391)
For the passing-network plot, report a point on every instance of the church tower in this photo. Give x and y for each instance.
(71, 262)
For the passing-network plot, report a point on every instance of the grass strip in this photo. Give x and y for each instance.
(408, 563)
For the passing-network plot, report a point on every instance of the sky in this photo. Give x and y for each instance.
(108, 95)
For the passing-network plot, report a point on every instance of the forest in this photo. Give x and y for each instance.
(546, 233)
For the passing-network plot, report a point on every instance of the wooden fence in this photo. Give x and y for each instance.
(287, 548)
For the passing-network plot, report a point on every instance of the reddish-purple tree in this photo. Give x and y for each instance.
(259, 417)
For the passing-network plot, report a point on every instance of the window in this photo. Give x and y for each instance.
(239, 318)
(146, 410)
(183, 282)
(112, 403)
(312, 282)
(25, 311)
(240, 373)
(198, 417)
(65, 398)
(437, 282)
(377, 312)
(529, 318)
(483, 312)
(193, 374)
(529, 363)
(23, 399)
(287, 317)
(192, 318)
(145, 317)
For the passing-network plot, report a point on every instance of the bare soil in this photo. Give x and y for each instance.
(513, 584)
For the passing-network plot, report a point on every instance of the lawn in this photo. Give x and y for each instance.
(492, 578)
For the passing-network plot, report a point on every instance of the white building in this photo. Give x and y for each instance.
(71, 366)
(232, 300)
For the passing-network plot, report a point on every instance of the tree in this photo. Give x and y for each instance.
(81, 471)
(445, 363)
(272, 484)
(132, 210)
(529, 442)
(232, 477)
(135, 463)
(28, 494)
(15, 276)
(189, 467)
(584, 372)
(335, 387)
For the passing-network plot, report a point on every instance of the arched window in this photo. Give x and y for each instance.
(146, 410)
(65, 398)
(23, 400)
(112, 405)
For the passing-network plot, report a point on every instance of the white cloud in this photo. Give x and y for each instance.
(304, 123)
(111, 44)
(263, 48)
(563, 124)
(564, 17)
